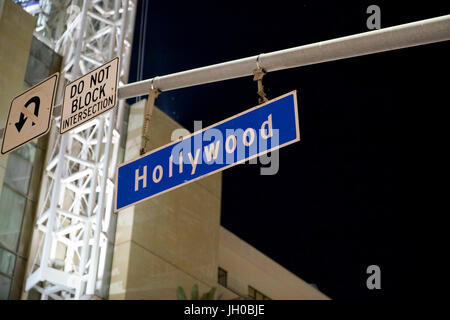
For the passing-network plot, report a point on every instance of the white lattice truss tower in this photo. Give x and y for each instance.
(75, 226)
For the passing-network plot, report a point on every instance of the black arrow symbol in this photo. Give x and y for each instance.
(21, 122)
(22, 119)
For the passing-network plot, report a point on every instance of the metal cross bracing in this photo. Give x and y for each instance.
(74, 229)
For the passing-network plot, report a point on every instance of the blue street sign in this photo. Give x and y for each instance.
(247, 135)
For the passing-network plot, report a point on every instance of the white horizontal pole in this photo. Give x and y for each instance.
(401, 36)
(387, 39)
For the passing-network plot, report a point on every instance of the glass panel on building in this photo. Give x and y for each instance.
(11, 215)
(251, 292)
(222, 277)
(259, 296)
(28, 152)
(7, 261)
(18, 173)
(5, 284)
(256, 295)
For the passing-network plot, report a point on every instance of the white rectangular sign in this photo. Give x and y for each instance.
(89, 96)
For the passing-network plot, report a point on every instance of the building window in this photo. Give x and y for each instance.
(222, 277)
(13, 201)
(5, 284)
(11, 215)
(7, 261)
(256, 295)
(18, 173)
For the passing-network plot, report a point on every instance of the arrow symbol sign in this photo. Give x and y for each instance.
(25, 114)
(21, 122)
(29, 115)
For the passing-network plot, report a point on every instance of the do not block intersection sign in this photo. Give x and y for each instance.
(30, 114)
(90, 95)
(252, 133)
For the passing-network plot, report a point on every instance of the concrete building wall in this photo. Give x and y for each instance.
(24, 61)
(247, 266)
(175, 239)
(16, 32)
(171, 240)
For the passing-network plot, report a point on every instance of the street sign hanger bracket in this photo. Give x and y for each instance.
(153, 94)
(259, 74)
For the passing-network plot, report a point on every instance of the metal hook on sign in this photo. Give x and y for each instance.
(152, 87)
(259, 73)
(153, 94)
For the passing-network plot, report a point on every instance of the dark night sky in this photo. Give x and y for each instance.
(347, 195)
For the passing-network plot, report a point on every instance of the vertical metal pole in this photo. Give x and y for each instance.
(91, 205)
(93, 269)
(83, 25)
(54, 201)
(63, 144)
(121, 44)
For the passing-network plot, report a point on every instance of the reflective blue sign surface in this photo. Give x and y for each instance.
(247, 135)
